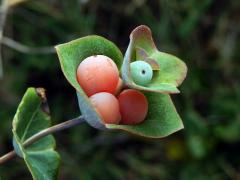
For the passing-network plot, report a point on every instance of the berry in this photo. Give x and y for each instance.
(141, 72)
(107, 106)
(133, 106)
(98, 73)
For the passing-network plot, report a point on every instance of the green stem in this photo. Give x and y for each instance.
(43, 133)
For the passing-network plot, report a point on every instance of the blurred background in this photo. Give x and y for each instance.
(204, 34)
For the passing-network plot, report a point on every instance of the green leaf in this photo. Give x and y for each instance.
(169, 72)
(70, 56)
(162, 119)
(31, 117)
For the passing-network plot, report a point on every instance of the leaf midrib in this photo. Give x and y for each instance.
(29, 123)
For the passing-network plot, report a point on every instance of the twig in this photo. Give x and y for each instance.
(3, 16)
(26, 49)
(15, 2)
(43, 133)
(5, 5)
(7, 157)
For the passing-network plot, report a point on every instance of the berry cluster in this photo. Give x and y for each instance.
(98, 76)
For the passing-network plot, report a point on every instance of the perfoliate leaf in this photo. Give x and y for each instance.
(162, 118)
(71, 54)
(31, 117)
(169, 72)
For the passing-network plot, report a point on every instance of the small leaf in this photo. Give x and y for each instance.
(171, 71)
(31, 117)
(162, 119)
(70, 56)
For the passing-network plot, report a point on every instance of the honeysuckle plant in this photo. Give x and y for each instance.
(32, 139)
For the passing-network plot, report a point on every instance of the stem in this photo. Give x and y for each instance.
(26, 49)
(10, 155)
(43, 133)
(3, 16)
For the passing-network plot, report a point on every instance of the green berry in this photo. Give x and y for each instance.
(141, 72)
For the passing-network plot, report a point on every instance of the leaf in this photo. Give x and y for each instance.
(31, 117)
(169, 73)
(162, 118)
(71, 54)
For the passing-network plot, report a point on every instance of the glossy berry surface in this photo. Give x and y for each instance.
(107, 106)
(141, 72)
(133, 106)
(98, 73)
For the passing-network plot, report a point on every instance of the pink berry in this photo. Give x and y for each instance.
(97, 74)
(133, 106)
(107, 106)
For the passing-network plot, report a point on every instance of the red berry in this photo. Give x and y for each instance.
(133, 106)
(107, 106)
(98, 73)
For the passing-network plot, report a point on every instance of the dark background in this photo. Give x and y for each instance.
(205, 34)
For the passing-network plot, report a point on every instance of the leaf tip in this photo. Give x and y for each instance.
(144, 32)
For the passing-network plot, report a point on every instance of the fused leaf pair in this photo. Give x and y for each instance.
(169, 72)
(31, 117)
